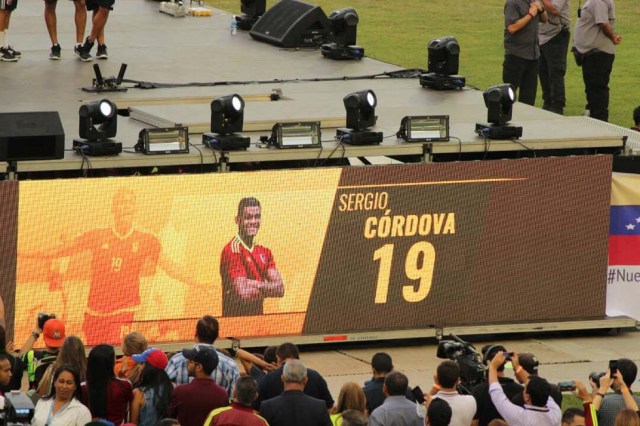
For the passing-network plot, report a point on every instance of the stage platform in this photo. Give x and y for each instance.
(159, 48)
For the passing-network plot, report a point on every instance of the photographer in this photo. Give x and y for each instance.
(539, 409)
(524, 366)
(486, 411)
(36, 362)
(610, 404)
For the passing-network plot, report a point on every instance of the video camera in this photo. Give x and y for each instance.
(18, 409)
(472, 372)
(44, 317)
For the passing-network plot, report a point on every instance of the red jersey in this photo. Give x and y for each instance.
(237, 261)
(116, 265)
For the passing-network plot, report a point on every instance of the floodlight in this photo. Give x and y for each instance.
(98, 123)
(424, 128)
(163, 140)
(499, 101)
(251, 10)
(361, 114)
(227, 116)
(443, 63)
(344, 29)
(297, 135)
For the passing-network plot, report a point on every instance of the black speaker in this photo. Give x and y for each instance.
(31, 136)
(292, 23)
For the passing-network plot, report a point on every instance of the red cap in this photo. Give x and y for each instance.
(154, 357)
(53, 333)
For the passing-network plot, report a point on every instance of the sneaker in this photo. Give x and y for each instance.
(55, 52)
(16, 53)
(88, 45)
(102, 51)
(82, 53)
(6, 55)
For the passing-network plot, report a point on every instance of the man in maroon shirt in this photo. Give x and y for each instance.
(240, 411)
(192, 403)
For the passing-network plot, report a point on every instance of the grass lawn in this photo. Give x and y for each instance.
(397, 31)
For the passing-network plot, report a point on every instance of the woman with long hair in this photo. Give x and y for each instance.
(72, 353)
(106, 396)
(126, 368)
(351, 397)
(62, 406)
(627, 417)
(151, 399)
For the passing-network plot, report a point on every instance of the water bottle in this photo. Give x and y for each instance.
(234, 25)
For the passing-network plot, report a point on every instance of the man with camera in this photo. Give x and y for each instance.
(463, 407)
(486, 410)
(36, 362)
(539, 409)
(612, 403)
(524, 366)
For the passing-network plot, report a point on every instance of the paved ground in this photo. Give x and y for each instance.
(565, 357)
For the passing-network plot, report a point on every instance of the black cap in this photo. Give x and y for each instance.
(204, 355)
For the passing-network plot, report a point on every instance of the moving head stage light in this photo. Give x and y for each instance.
(251, 10)
(227, 117)
(98, 123)
(499, 101)
(443, 61)
(344, 28)
(361, 114)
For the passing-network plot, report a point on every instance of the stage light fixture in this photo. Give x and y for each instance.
(251, 10)
(227, 116)
(344, 29)
(499, 101)
(98, 123)
(297, 135)
(361, 114)
(424, 128)
(163, 140)
(442, 62)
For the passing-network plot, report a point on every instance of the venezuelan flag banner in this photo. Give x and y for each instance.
(623, 278)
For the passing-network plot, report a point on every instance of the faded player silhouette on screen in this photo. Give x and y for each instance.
(121, 255)
(248, 270)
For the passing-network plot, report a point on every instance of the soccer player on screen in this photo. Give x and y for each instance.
(248, 270)
(120, 256)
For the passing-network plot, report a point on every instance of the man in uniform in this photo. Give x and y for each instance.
(248, 270)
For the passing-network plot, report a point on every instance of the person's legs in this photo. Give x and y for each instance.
(80, 19)
(51, 20)
(557, 66)
(512, 70)
(545, 76)
(529, 83)
(5, 54)
(596, 72)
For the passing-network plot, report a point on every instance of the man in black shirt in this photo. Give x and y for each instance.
(486, 410)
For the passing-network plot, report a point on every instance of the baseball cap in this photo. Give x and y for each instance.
(489, 351)
(152, 356)
(205, 355)
(53, 333)
(528, 362)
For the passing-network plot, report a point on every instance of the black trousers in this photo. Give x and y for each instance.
(553, 67)
(522, 74)
(596, 72)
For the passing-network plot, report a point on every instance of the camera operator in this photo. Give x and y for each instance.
(610, 404)
(34, 361)
(539, 409)
(486, 411)
(463, 407)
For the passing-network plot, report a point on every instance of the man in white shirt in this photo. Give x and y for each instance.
(539, 408)
(463, 407)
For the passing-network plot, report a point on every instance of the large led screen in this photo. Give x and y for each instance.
(298, 252)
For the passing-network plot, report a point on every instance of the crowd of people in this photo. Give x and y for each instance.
(206, 386)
